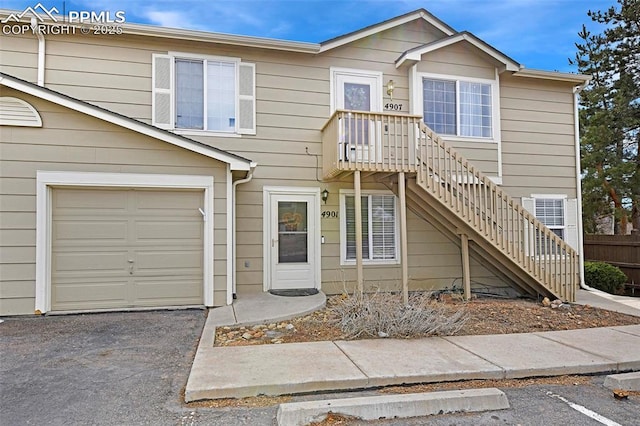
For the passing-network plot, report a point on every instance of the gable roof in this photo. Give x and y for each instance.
(451, 36)
(271, 43)
(236, 162)
(385, 25)
(415, 55)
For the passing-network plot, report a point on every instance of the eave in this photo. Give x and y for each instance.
(412, 56)
(235, 162)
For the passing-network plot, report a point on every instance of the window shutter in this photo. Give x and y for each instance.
(247, 98)
(571, 223)
(529, 205)
(162, 81)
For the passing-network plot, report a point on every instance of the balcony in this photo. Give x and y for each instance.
(369, 142)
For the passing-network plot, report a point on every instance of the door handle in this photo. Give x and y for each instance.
(273, 242)
(130, 261)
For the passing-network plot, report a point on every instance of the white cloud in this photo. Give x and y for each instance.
(170, 19)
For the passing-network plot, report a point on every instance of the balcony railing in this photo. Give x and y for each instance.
(370, 142)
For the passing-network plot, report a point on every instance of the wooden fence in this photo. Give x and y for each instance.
(622, 251)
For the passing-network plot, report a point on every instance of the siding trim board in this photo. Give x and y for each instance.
(45, 182)
(236, 162)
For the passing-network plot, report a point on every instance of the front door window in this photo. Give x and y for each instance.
(292, 232)
(357, 97)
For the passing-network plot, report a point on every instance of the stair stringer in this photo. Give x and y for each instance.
(474, 252)
(428, 208)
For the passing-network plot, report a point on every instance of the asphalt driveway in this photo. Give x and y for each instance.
(110, 368)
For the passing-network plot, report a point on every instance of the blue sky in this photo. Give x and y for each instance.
(537, 33)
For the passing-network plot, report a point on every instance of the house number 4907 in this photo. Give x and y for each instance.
(392, 107)
(329, 213)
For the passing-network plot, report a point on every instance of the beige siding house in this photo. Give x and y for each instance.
(165, 167)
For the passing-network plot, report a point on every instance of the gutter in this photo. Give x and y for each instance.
(580, 79)
(233, 226)
(41, 52)
(576, 119)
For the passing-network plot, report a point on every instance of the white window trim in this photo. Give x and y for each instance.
(196, 132)
(45, 180)
(343, 229)
(334, 72)
(495, 105)
(204, 58)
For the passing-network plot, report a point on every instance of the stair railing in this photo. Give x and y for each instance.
(495, 216)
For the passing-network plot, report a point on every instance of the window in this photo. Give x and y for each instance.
(379, 229)
(559, 213)
(219, 108)
(550, 211)
(211, 94)
(458, 107)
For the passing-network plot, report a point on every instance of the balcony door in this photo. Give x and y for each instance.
(361, 91)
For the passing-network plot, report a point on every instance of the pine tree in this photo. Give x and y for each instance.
(610, 116)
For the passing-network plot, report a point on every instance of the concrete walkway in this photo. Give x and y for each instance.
(242, 371)
(610, 302)
(262, 308)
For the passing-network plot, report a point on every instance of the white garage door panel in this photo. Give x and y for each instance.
(168, 262)
(94, 294)
(159, 292)
(74, 232)
(150, 203)
(126, 248)
(81, 202)
(93, 263)
(181, 232)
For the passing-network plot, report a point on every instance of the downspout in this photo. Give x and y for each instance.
(41, 51)
(252, 167)
(576, 120)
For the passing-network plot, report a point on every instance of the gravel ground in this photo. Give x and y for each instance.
(484, 316)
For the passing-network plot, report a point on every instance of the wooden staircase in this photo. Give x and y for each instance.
(456, 198)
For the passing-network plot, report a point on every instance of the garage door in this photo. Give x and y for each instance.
(126, 248)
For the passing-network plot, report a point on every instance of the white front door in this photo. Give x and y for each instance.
(359, 91)
(293, 251)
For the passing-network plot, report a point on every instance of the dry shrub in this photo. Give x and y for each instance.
(385, 315)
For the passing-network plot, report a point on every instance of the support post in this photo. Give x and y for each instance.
(466, 275)
(358, 209)
(404, 250)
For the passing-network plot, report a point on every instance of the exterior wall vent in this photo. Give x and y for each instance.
(16, 112)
